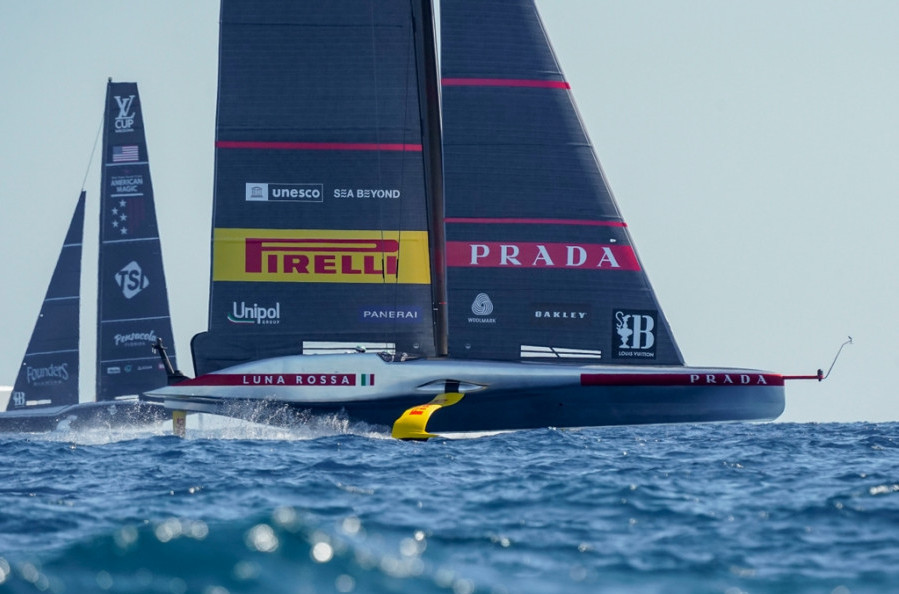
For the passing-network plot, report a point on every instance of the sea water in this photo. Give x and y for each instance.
(336, 507)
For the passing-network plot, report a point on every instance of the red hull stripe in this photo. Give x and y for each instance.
(317, 146)
(276, 379)
(512, 221)
(505, 82)
(682, 379)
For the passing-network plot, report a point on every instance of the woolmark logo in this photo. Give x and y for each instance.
(482, 307)
(254, 315)
(131, 279)
(124, 121)
(634, 334)
(268, 192)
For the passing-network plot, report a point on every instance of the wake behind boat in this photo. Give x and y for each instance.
(133, 309)
(459, 221)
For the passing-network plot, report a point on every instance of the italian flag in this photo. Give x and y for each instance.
(367, 379)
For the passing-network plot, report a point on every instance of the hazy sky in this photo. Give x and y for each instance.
(752, 146)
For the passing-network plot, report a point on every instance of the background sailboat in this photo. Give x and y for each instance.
(132, 298)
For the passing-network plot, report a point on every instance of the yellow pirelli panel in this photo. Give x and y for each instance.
(320, 256)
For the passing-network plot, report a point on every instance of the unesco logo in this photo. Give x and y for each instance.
(269, 192)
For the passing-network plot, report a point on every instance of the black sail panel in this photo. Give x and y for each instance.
(49, 372)
(541, 265)
(133, 308)
(319, 220)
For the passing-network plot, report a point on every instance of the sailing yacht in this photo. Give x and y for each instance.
(133, 310)
(423, 248)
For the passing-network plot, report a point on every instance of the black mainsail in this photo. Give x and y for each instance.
(132, 304)
(557, 276)
(320, 223)
(49, 372)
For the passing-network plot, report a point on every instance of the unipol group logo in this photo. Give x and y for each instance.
(482, 307)
(634, 334)
(268, 192)
(131, 279)
(124, 121)
(244, 314)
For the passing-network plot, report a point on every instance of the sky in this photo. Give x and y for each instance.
(752, 146)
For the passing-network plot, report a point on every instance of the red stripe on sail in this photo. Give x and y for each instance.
(505, 82)
(682, 379)
(317, 146)
(508, 221)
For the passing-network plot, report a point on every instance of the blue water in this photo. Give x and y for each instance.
(339, 508)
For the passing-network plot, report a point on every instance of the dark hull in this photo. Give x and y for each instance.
(92, 415)
(532, 409)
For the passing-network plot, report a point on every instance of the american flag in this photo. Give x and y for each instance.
(124, 153)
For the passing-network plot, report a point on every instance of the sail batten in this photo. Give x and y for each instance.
(505, 82)
(515, 221)
(316, 146)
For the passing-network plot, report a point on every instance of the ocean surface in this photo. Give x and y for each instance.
(335, 507)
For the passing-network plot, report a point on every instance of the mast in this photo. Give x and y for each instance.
(429, 97)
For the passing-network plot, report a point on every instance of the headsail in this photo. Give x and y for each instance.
(319, 221)
(49, 372)
(541, 264)
(133, 308)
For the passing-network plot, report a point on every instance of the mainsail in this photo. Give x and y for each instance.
(320, 224)
(133, 308)
(49, 372)
(541, 264)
